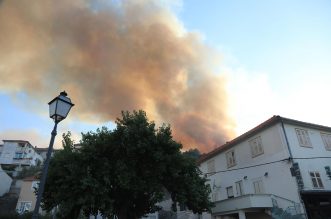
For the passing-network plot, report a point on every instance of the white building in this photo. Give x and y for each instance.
(279, 169)
(19, 153)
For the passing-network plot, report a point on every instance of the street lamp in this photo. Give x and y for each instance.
(59, 108)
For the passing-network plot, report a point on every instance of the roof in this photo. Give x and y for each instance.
(39, 150)
(266, 124)
(31, 178)
(18, 141)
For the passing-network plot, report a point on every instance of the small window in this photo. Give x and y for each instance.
(229, 191)
(303, 137)
(18, 155)
(316, 180)
(230, 159)
(256, 146)
(214, 196)
(326, 140)
(211, 166)
(239, 188)
(258, 186)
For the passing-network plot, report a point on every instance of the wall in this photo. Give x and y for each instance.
(316, 151)
(5, 182)
(8, 152)
(27, 194)
(278, 180)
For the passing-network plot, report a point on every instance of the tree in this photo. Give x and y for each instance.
(125, 172)
(194, 153)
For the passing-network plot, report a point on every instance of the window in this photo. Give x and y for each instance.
(239, 188)
(211, 166)
(23, 207)
(316, 179)
(230, 159)
(258, 186)
(256, 146)
(229, 191)
(214, 196)
(18, 155)
(327, 140)
(303, 137)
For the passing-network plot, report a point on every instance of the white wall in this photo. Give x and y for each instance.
(5, 182)
(317, 150)
(279, 180)
(8, 152)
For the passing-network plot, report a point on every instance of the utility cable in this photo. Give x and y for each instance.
(262, 164)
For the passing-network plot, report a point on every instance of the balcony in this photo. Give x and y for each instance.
(243, 202)
(22, 161)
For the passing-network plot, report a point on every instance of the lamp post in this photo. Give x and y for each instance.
(59, 108)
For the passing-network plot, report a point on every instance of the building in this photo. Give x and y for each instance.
(27, 198)
(19, 153)
(43, 152)
(279, 169)
(5, 182)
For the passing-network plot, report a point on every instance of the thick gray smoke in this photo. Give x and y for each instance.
(112, 56)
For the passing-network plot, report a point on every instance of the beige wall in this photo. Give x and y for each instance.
(27, 194)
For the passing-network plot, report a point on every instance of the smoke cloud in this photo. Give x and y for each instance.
(112, 56)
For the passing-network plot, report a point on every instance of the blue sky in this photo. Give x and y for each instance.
(276, 56)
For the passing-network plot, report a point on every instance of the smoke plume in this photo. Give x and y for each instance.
(112, 56)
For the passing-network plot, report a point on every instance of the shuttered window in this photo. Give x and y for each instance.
(256, 146)
(230, 159)
(303, 137)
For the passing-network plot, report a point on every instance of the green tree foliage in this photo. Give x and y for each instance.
(124, 172)
(194, 153)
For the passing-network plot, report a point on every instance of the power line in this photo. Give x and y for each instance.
(262, 164)
(304, 158)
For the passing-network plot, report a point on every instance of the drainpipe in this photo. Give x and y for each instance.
(286, 139)
(291, 160)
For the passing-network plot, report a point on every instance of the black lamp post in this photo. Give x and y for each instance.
(59, 108)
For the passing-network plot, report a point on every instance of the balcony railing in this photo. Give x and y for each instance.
(23, 161)
(243, 202)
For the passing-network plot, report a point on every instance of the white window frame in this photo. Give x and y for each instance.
(256, 146)
(231, 159)
(258, 186)
(326, 137)
(316, 180)
(229, 192)
(303, 137)
(239, 188)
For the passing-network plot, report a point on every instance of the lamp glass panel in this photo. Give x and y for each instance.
(63, 108)
(52, 108)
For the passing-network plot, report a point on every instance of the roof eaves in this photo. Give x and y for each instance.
(273, 120)
(306, 124)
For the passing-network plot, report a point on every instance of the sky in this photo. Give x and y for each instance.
(237, 63)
